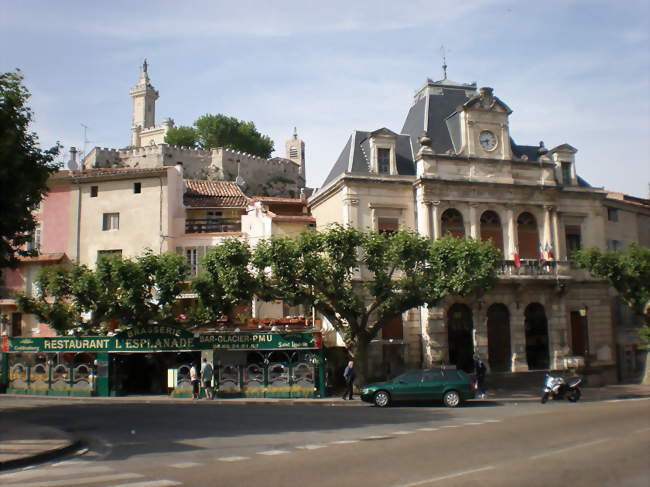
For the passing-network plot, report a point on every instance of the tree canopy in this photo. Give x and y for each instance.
(121, 292)
(361, 281)
(628, 272)
(212, 131)
(24, 169)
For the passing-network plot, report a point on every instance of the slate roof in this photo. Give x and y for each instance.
(435, 110)
(213, 194)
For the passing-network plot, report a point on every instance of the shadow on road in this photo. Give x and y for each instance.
(138, 428)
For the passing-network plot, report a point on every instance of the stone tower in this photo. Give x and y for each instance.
(144, 106)
(295, 151)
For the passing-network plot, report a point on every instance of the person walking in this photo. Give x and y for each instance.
(480, 371)
(195, 380)
(349, 375)
(206, 377)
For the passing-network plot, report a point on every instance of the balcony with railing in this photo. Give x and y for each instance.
(534, 268)
(212, 225)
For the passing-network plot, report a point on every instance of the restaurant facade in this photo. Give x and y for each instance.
(157, 360)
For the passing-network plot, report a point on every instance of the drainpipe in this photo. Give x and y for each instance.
(73, 166)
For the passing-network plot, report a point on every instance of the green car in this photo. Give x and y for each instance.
(450, 386)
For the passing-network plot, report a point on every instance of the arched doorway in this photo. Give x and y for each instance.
(459, 333)
(527, 236)
(491, 229)
(536, 326)
(498, 329)
(452, 222)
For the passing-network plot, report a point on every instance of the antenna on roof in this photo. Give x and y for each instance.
(86, 141)
(444, 61)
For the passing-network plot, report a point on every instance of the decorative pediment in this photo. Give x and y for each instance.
(564, 148)
(485, 100)
(383, 132)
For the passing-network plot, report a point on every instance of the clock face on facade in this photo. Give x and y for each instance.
(487, 140)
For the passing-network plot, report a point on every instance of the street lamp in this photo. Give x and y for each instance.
(584, 311)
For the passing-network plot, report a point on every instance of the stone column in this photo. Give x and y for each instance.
(424, 219)
(437, 350)
(548, 237)
(474, 223)
(435, 216)
(519, 362)
(513, 243)
(556, 235)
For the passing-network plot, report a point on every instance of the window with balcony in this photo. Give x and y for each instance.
(111, 221)
(573, 238)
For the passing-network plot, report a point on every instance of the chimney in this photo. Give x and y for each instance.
(72, 164)
(179, 168)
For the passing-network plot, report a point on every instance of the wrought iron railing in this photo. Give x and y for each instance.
(212, 225)
(533, 267)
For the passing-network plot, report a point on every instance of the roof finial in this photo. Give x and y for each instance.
(295, 133)
(144, 66)
(444, 61)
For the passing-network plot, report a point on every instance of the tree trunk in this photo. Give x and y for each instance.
(360, 352)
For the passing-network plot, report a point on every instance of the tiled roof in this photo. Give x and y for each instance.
(277, 199)
(293, 219)
(213, 194)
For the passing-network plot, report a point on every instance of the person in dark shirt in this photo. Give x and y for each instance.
(349, 375)
(480, 371)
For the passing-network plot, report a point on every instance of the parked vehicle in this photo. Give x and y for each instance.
(448, 385)
(559, 388)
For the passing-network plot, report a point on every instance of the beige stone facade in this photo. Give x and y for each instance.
(455, 169)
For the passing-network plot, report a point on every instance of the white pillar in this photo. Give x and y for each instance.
(424, 218)
(556, 235)
(474, 223)
(512, 233)
(435, 216)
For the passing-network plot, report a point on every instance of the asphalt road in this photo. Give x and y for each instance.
(206, 444)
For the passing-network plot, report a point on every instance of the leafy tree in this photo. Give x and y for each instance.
(227, 281)
(628, 272)
(24, 170)
(362, 281)
(182, 136)
(125, 292)
(212, 131)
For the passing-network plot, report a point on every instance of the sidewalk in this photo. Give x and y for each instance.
(22, 444)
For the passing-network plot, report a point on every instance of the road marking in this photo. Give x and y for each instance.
(376, 438)
(86, 480)
(32, 474)
(233, 459)
(343, 442)
(185, 465)
(628, 399)
(311, 447)
(272, 452)
(642, 430)
(427, 429)
(446, 477)
(562, 450)
(451, 426)
(492, 420)
(401, 432)
(472, 424)
(152, 483)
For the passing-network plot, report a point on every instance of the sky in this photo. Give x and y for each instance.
(572, 71)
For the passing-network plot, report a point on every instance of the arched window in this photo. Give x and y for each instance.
(491, 229)
(536, 326)
(527, 236)
(460, 327)
(452, 222)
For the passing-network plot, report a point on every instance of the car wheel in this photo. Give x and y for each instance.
(381, 399)
(451, 399)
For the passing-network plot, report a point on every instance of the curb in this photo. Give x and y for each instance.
(42, 457)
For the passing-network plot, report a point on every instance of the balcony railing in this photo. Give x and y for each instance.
(533, 268)
(212, 225)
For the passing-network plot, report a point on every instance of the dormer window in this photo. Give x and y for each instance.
(566, 172)
(383, 161)
(383, 144)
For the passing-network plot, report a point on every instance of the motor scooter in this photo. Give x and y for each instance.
(558, 388)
